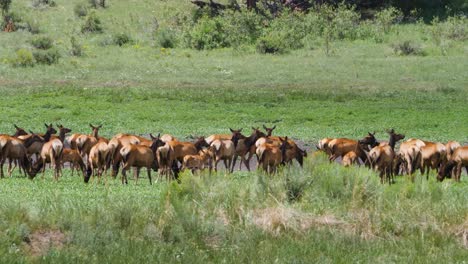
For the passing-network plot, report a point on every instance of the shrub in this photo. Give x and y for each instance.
(407, 47)
(5, 6)
(76, 49)
(42, 42)
(24, 58)
(33, 27)
(97, 3)
(456, 27)
(92, 24)
(208, 34)
(270, 43)
(80, 10)
(38, 3)
(121, 39)
(48, 57)
(243, 27)
(166, 38)
(387, 17)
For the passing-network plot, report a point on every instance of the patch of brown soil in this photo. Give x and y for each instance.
(41, 241)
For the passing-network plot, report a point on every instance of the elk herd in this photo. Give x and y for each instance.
(93, 155)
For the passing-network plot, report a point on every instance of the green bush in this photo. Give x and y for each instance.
(407, 47)
(208, 33)
(81, 10)
(166, 38)
(48, 57)
(33, 27)
(42, 42)
(5, 6)
(76, 48)
(24, 58)
(242, 27)
(38, 3)
(387, 17)
(92, 24)
(121, 39)
(271, 43)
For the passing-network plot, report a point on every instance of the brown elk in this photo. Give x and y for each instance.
(349, 159)
(292, 152)
(140, 156)
(341, 146)
(97, 160)
(36, 147)
(433, 154)
(382, 157)
(12, 148)
(271, 155)
(165, 158)
(459, 159)
(269, 130)
(51, 152)
(181, 149)
(323, 145)
(450, 148)
(73, 139)
(223, 150)
(410, 154)
(71, 156)
(244, 146)
(198, 162)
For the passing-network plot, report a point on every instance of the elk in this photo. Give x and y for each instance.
(223, 150)
(293, 151)
(433, 154)
(268, 130)
(73, 139)
(36, 147)
(459, 159)
(410, 154)
(382, 157)
(214, 137)
(341, 146)
(16, 149)
(450, 148)
(349, 159)
(198, 162)
(70, 155)
(271, 155)
(165, 158)
(51, 153)
(181, 149)
(97, 159)
(323, 145)
(244, 145)
(140, 156)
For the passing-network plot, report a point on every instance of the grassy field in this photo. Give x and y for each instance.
(340, 215)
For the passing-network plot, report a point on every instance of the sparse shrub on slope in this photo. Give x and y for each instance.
(24, 58)
(208, 34)
(92, 24)
(42, 42)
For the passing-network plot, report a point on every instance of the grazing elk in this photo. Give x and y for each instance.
(271, 155)
(140, 156)
(458, 159)
(382, 157)
(13, 148)
(36, 147)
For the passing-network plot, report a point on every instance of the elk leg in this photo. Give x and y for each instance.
(148, 170)
(234, 159)
(1, 168)
(124, 174)
(458, 172)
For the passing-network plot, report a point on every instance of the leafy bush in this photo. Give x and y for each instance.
(121, 39)
(407, 47)
(456, 27)
(48, 57)
(42, 42)
(38, 3)
(76, 49)
(387, 17)
(271, 43)
(208, 34)
(166, 38)
(92, 24)
(81, 10)
(242, 27)
(24, 58)
(97, 3)
(5, 6)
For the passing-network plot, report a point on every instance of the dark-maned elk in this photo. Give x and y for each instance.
(271, 155)
(13, 148)
(454, 166)
(382, 157)
(36, 147)
(244, 146)
(139, 156)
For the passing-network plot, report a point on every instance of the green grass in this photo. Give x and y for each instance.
(343, 215)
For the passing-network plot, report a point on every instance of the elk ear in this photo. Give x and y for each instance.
(264, 127)
(151, 135)
(91, 126)
(16, 126)
(254, 128)
(240, 130)
(32, 133)
(273, 127)
(231, 130)
(99, 126)
(46, 125)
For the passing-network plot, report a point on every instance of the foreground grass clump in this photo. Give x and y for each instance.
(342, 214)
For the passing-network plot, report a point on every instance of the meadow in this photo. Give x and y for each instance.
(321, 213)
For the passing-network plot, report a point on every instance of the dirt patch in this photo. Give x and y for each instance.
(275, 220)
(41, 241)
(461, 232)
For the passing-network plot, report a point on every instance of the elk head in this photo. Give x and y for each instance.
(19, 131)
(269, 130)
